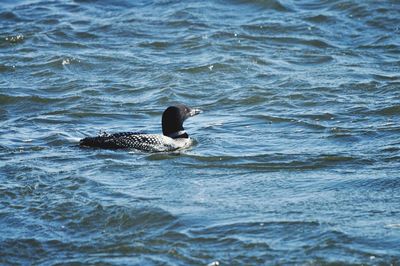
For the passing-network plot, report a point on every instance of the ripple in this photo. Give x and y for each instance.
(209, 68)
(389, 111)
(7, 15)
(370, 184)
(321, 19)
(111, 218)
(311, 60)
(156, 44)
(316, 43)
(269, 5)
(9, 99)
(273, 162)
(86, 35)
(6, 68)
(49, 21)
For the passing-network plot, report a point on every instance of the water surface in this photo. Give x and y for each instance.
(296, 157)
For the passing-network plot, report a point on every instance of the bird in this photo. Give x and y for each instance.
(173, 136)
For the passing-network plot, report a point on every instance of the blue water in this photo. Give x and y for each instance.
(296, 156)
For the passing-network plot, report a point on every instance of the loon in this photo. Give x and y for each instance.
(174, 136)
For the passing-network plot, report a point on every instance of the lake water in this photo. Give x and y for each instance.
(296, 157)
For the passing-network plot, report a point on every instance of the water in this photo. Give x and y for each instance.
(296, 157)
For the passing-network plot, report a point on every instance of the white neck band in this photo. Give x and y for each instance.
(177, 134)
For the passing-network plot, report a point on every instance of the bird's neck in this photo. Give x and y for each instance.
(178, 134)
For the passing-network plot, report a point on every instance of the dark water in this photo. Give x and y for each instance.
(297, 152)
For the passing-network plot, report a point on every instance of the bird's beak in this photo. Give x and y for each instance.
(194, 112)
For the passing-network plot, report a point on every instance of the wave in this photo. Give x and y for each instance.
(12, 99)
(267, 4)
(269, 162)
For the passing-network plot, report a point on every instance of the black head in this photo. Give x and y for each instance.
(173, 118)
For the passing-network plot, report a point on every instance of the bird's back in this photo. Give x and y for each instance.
(133, 140)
